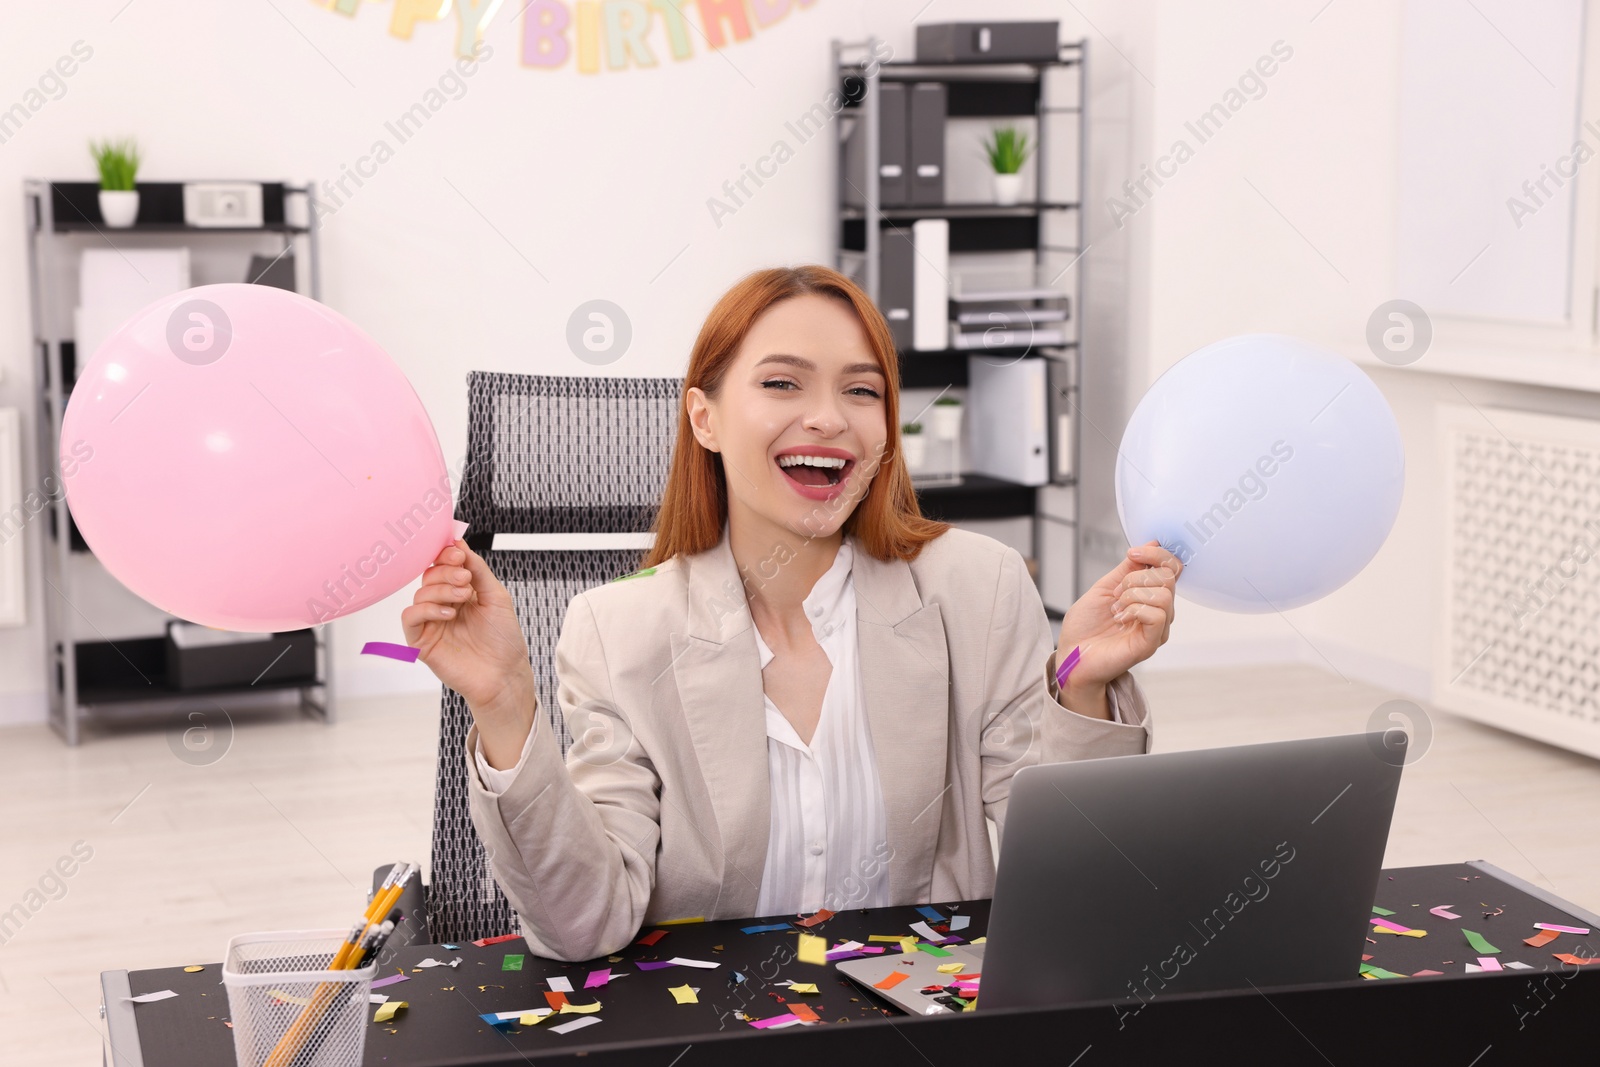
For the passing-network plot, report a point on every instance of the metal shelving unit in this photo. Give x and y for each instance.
(1008, 89)
(127, 677)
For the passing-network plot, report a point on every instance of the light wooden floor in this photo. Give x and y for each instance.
(284, 830)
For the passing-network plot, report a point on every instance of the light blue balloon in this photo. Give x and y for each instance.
(1272, 468)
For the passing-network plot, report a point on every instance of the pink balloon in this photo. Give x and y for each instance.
(247, 458)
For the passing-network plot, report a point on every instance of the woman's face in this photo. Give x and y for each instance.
(800, 420)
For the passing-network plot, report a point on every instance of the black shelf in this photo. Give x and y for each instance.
(977, 497)
(76, 208)
(960, 211)
(116, 672)
(990, 232)
(938, 369)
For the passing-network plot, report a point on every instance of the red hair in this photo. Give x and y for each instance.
(694, 507)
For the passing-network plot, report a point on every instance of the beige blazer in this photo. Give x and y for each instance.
(661, 810)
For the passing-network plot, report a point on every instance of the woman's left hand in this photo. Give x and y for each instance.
(1122, 619)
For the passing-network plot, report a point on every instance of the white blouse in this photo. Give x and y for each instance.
(827, 841)
(827, 846)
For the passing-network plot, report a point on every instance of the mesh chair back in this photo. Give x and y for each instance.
(545, 455)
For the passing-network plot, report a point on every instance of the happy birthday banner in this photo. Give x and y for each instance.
(554, 31)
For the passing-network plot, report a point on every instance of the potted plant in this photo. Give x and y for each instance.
(119, 165)
(913, 446)
(946, 418)
(1008, 150)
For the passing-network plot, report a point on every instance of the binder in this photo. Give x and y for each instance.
(896, 283)
(930, 310)
(1009, 437)
(892, 188)
(926, 159)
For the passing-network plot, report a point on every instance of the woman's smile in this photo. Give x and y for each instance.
(816, 472)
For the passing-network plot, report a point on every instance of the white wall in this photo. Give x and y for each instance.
(1285, 221)
(597, 183)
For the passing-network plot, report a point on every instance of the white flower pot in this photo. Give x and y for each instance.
(914, 447)
(945, 421)
(1007, 189)
(119, 207)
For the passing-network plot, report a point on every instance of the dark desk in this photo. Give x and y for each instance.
(1511, 1016)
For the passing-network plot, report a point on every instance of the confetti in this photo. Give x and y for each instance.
(576, 1024)
(1489, 963)
(304, 1002)
(933, 950)
(931, 915)
(485, 942)
(767, 929)
(376, 998)
(652, 937)
(512, 963)
(391, 980)
(151, 998)
(580, 1009)
(387, 1009)
(1541, 939)
(597, 979)
(820, 917)
(393, 651)
(558, 983)
(1444, 912)
(787, 1019)
(654, 965)
(1545, 926)
(683, 994)
(803, 987)
(959, 922)
(1423, 974)
(1478, 943)
(1384, 926)
(683, 962)
(804, 1013)
(951, 968)
(1576, 961)
(813, 949)
(1381, 911)
(555, 1000)
(890, 980)
(430, 962)
(197, 967)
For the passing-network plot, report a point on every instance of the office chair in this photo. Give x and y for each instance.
(561, 485)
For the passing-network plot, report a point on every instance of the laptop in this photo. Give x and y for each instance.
(1130, 877)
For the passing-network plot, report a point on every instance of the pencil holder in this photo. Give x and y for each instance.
(288, 1009)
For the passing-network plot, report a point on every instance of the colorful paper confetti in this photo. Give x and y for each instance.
(1476, 940)
(392, 651)
(387, 1009)
(683, 994)
(485, 942)
(813, 949)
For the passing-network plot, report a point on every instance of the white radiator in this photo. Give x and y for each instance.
(1519, 646)
(13, 519)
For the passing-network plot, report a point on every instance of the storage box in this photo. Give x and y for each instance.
(987, 42)
(202, 658)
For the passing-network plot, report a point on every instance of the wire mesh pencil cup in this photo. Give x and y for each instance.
(288, 1009)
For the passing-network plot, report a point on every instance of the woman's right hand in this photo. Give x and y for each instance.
(464, 623)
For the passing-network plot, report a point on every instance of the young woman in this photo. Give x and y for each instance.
(810, 696)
